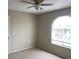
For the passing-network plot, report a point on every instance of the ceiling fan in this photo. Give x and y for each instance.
(36, 4)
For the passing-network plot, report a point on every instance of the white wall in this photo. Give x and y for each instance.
(24, 30)
(44, 36)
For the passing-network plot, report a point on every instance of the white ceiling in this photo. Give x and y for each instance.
(19, 6)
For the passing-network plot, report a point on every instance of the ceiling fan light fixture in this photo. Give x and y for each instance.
(37, 6)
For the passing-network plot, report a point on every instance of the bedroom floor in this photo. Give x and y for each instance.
(33, 53)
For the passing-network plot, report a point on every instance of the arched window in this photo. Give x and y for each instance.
(61, 31)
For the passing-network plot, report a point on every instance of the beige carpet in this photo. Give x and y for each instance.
(32, 54)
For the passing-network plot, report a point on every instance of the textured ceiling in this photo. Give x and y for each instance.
(19, 6)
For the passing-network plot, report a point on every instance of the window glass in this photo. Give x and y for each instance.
(61, 31)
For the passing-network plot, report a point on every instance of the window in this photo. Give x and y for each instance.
(61, 32)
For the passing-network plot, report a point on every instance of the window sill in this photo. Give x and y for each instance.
(62, 46)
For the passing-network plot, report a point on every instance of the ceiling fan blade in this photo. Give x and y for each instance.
(46, 4)
(27, 2)
(29, 7)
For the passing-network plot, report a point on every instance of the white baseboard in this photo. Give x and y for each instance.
(19, 50)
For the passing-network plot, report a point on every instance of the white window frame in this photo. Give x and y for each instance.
(58, 42)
